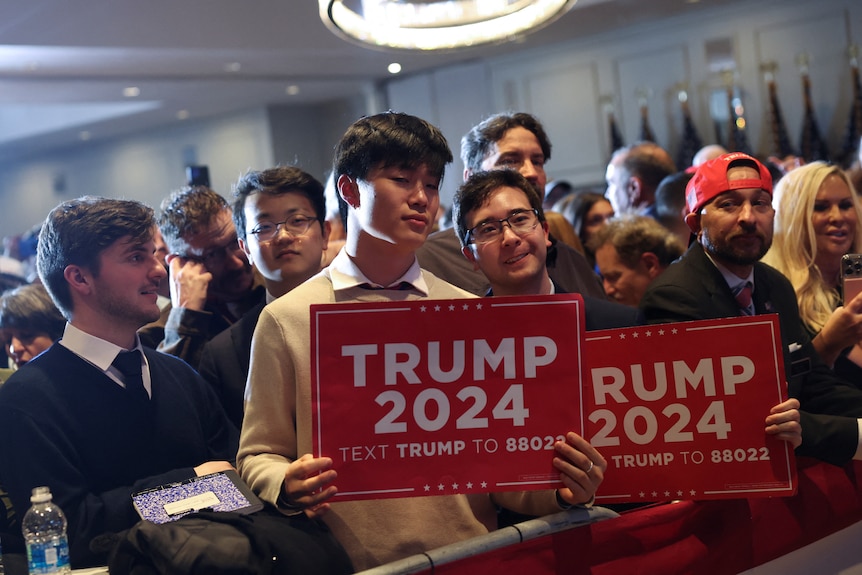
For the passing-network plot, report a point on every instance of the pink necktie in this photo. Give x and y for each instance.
(743, 298)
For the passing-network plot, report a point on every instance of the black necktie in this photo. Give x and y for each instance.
(129, 364)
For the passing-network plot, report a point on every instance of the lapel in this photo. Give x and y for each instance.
(762, 290)
(241, 335)
(721, 302)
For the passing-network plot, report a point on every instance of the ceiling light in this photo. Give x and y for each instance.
(183, 115)
(232, 67)
(437, 25)
(292, 90)
(84, 136)
(394, 68)
(131, 92)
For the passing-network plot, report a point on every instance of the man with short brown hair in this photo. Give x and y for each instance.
(729, 202)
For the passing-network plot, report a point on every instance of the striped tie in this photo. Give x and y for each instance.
(742, 293)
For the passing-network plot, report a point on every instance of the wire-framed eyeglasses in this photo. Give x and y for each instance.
(295, 226)
(522, 222)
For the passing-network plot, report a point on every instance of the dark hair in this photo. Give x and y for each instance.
(77, 231)
(476, 144)
(186, 212)
(276, 182)
(389, 139)
(649, 162)
(479, 187)
(575, 208)
(30, 308)
(670, 195)
(636, 235)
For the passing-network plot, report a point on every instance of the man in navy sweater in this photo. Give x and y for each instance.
(93, 431)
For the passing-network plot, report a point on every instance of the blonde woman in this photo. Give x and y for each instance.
(819, 219)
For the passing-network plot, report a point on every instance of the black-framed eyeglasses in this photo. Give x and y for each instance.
(214, 257)
(522, 222)
(295, 226)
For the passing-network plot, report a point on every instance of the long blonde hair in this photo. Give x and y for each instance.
(794, 248)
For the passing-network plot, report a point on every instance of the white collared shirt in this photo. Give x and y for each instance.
(345, 275)
(101, 354)
(733, 280)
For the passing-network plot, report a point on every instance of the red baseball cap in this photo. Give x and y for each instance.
(710, 179)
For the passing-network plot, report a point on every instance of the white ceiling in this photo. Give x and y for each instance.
(64, 63)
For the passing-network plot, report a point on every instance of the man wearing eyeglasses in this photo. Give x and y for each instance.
(501, 225)
(388, 169)
(212, 282)
(279, 216)
(514, 141)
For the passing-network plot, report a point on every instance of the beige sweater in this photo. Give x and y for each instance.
(277, 430)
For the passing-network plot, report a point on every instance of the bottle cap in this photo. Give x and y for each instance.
(40, 495)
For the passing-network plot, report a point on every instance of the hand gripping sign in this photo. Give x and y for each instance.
(438, 397)
(678, 410)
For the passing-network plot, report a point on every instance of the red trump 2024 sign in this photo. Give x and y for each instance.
(437, 397)
(678, 410)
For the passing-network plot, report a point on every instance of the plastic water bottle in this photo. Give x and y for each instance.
(44, 527)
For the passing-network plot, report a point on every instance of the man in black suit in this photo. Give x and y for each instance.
(729, 201)
(516, 141)
(500, 222)
(280, 218)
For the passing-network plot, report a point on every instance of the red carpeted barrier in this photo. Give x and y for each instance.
(712, 537)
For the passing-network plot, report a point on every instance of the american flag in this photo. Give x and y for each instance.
(691, 141)
(812, 146)
(781, 145)
(647, 134)
(737, 139)
(615, 135)
(854, 121)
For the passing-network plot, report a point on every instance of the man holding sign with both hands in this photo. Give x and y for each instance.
(387, 168)
(729, 201)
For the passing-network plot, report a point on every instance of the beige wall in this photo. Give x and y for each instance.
(566, 85)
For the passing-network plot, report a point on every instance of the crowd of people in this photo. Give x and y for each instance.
(154, 347)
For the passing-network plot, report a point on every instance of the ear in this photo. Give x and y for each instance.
(348, 189)
(79, 279)
(467, 174)
(327, 229)
(636, 190)
(692, 220)
(547, 230)
(471, 256)
(244, 247)
(650, 262)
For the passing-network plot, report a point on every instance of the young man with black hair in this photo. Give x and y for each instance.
(502, 229)
(279, 216)
(515, 141)
(388, 169)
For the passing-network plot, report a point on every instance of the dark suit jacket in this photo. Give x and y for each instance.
(692, 288)
(225, 360)
(604, 314)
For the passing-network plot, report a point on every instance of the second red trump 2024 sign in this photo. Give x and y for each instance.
(678, 410)
(437, 397)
